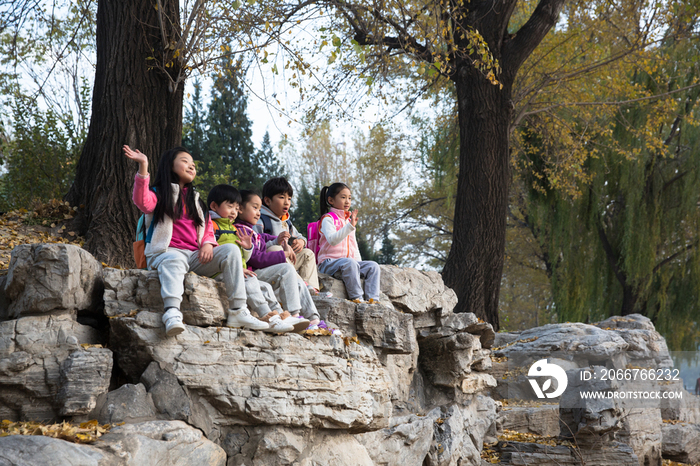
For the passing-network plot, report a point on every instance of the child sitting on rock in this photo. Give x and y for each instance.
(223, 201)
(338, 251)
(274, 220)
(272, 266)
(180, 238)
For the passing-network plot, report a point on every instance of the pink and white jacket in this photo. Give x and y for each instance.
(146, 200)
(337, 239)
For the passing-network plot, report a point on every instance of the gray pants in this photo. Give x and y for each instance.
(352, 271)
(289, 289)
(261, 297)
(173, 264)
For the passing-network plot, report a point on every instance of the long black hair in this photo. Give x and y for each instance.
(165, 177)
(330, 191)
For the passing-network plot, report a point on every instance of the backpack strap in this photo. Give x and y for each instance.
(267, 224)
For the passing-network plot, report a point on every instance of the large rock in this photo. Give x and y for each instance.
(52, 277)
(245, 377)
(386, 328)
(34, 450)
(415, 291)
(591, 420)
(451, 362)
(645, 346)
(278, 445)
(681, 443)
(340, 312)
(539, 420)
(84, 376)
(128, 403)
(582, 343)
(158, 442)
(168, 395)
(460, 432)
(603, 454)
(405, 442)
(161, 442)
(204, 302)
(44, 371)
(641, 430)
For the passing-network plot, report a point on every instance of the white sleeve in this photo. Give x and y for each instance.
(333, 236)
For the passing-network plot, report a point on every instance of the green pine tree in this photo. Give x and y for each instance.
(387, 255)
(193, 125)
(266, 163)
(229, 147)
(306, 207)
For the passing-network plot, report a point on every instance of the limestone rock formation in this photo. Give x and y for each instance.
(204, 302)
(409, 383)
(44, 371)
(48, 277)
(155, 442)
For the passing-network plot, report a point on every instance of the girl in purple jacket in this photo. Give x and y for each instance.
(273, 268)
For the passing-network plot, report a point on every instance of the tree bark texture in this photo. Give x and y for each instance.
(474, 265)
(130, 105)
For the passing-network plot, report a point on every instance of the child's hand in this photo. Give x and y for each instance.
(353, 218)
(246, 239)
(249, 273)
(206, 253)
(290, 255)
(297, 245)
(283, 237)
(139, 157)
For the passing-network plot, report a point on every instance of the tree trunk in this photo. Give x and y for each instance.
(475, 263)
(130, 105)
(629, 300)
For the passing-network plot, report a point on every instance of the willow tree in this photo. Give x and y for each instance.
(629, 242)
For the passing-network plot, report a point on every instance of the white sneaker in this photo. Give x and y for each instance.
(277, 325)
(238, 318)
(298, 322)
(173, 322)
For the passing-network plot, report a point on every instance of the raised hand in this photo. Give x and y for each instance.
(245, 238)
(137, 156)
(353, 218)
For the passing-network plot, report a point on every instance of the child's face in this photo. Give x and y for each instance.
(342, 200)
(226, 209)
(250, 211)
(279, 204)
(183, 167)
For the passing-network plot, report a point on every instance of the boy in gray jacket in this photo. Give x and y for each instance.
(274, 219)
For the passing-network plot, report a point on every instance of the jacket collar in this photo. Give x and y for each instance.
(340, 213)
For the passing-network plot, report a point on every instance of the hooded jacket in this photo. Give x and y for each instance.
(278, 225)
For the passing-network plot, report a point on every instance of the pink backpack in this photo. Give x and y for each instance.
(313, 234)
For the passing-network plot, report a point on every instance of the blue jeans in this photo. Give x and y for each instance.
(352, 271)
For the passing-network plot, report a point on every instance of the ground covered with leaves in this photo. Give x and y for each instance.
(85, 432)
(46, 223)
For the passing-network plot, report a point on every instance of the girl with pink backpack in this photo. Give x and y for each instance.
(337, 247)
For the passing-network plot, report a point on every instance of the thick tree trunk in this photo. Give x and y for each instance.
(475, 263)
(130, 105)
